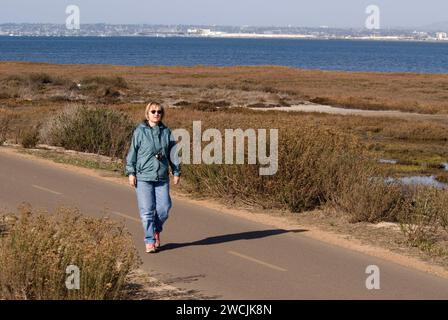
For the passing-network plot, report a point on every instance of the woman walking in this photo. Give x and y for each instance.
(147, 165)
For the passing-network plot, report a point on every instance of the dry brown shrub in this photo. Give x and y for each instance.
(38, 247)
(423, 214)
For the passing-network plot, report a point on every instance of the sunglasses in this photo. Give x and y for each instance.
(158, 111)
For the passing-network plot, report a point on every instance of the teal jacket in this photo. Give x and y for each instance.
(141, 160)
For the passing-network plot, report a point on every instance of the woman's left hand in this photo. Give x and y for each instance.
(176, 180)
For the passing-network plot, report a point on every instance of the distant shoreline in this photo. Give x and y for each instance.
(236, 36)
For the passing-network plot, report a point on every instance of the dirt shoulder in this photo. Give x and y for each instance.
(382, 240)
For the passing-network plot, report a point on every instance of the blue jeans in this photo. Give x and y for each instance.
(154, 203)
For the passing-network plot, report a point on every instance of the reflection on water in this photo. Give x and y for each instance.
(388, 161)
(419, 180)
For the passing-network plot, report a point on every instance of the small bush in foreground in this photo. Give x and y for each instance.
(37, 248)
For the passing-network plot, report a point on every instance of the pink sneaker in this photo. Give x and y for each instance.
(150, 248)
(157, 237)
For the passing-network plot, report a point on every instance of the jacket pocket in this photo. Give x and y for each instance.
(147, 165)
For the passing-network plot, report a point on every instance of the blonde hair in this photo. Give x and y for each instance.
(154, 104)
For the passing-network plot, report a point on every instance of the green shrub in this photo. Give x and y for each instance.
(88, 129)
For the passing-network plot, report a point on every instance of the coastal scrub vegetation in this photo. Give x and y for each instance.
(324, 160)
(37, 247)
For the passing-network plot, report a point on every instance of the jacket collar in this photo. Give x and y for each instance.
(145, 125)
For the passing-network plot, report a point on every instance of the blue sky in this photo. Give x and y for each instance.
(333, 13)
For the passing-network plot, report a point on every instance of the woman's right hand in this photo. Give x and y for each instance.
(132, 181)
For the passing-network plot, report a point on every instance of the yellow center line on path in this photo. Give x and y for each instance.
(125, 216)
(257, 261)
(46, 189)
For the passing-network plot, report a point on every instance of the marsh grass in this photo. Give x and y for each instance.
(34, 82)
(57, 88)
(106, 89)
(392, 91)
(97, 81)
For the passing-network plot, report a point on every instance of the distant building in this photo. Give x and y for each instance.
(200, 31)
(441, 36)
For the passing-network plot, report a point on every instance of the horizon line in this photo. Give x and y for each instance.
(225, 25)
